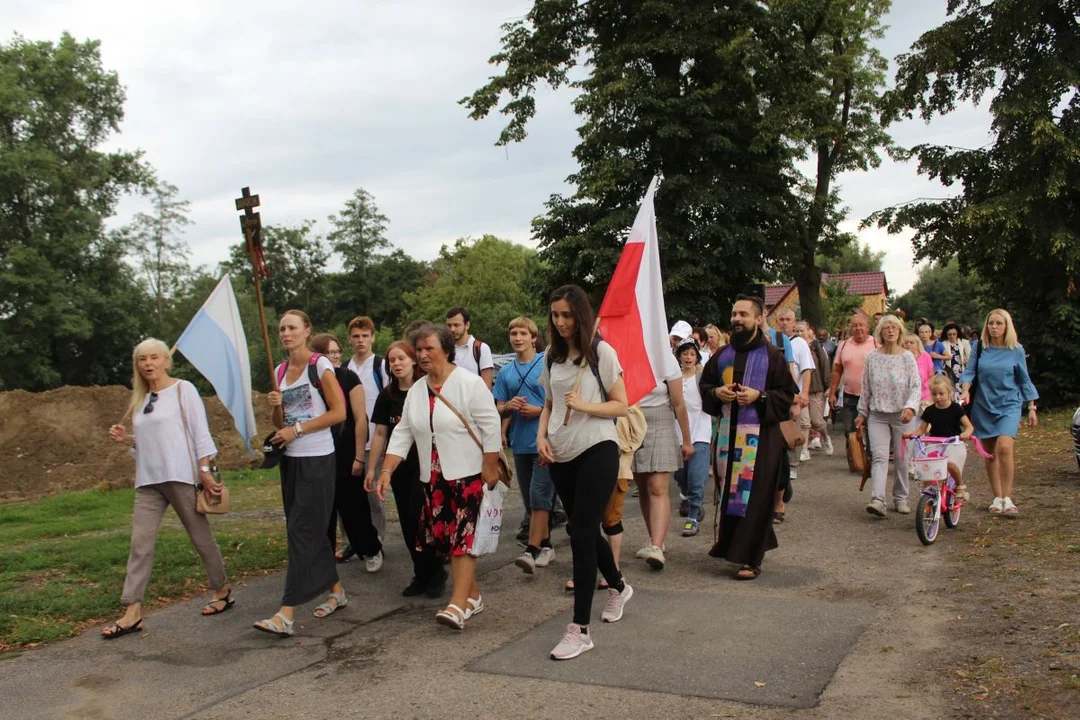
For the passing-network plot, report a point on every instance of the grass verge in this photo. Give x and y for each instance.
(63, 558)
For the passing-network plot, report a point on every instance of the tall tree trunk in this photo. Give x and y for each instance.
(808, 281)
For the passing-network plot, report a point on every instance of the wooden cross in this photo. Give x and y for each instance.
(251, 224)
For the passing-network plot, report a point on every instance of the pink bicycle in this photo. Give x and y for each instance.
(938, 499)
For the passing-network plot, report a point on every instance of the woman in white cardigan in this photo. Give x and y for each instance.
(453, 468)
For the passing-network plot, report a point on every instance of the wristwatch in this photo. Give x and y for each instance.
(204, 468)
(763, 396)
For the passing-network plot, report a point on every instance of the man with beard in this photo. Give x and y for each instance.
(750, 387)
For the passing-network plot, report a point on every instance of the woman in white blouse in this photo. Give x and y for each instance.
(891, 389)
(170, 433)
(453, 468)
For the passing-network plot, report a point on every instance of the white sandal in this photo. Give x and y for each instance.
(455, 619)
(281, 629)
(475, 607)
(327, 609)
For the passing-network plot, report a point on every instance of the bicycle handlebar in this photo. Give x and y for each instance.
(954, 440)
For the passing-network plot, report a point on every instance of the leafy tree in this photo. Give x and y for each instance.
(838, 304)
(162, 256)
(822, 78)
(668, 88)
(487, 276)
(942, 291)
(1016, 216)
(389, 278)
(359, 233)
(70, 310)
(852, 257)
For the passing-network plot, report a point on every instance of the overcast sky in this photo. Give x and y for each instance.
(306, 103)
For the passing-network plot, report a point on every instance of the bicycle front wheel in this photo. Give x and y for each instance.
(952, 514)
(926, 517)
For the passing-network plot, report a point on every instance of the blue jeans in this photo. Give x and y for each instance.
(534, 482)
(693, 477)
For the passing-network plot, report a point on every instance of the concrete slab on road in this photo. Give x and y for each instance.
(705, 645)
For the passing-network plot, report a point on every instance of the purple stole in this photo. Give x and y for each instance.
(747, 431)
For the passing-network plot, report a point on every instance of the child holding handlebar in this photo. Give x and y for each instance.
(944, 419)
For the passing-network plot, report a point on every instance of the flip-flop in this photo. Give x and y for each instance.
(119, 630)
(228, 600)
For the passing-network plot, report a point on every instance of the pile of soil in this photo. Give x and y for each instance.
(58, 440)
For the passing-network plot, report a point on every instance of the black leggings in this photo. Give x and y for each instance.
(585, 485)
(351, 502)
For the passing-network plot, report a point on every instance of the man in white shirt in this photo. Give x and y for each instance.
(369, 368)
(804, 367)
(469, 353)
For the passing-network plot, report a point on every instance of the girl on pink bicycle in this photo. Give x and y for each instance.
(946, 419)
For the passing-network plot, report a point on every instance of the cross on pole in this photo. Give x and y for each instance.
(251, 224)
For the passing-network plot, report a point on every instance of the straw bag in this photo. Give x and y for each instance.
(202, 505)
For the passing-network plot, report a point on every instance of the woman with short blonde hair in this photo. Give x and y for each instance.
(913, 344)
(170, 432)
(995, 385)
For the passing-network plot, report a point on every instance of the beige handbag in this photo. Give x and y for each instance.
(202, 505)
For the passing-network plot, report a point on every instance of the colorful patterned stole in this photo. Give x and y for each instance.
(744, 454)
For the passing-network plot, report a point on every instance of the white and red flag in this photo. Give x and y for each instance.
(632, 317)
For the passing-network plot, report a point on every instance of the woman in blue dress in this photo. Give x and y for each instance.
(999, 372)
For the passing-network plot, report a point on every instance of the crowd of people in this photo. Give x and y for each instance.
(429, 421)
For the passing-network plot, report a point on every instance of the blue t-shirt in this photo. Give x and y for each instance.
(515, 379)
(938, 347)
(789, 353)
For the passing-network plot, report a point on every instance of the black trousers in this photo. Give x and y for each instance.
(585, 485)
(352, 504)
(409, 498)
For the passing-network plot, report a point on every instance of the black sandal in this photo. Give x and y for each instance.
(119, 630)
(345, 555)
(228, 600)
(777, 518)
(747, 573)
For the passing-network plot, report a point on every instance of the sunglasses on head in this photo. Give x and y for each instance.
(150, 405)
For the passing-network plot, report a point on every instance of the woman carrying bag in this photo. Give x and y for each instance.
(444, 411)
(171, 431)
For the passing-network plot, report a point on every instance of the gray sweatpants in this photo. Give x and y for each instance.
(151, 502)
(885, 431)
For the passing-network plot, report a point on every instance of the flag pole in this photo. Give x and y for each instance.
(251, 224)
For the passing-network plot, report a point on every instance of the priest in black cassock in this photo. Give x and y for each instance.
(748, 385)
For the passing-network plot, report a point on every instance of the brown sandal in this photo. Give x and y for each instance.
(228, 600)
(747, 572)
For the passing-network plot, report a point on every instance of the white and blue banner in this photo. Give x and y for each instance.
(215, 344)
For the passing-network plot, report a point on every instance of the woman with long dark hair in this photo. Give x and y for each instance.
(428, 574)
(584, 392)
(304, 415)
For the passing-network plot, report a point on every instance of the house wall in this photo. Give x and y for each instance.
(871, 304)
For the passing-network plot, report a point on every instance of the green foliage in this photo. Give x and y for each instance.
(488, 276)
(359, 232)
(669, 89)
(822, 79)
(838, 305)
(1015, 218)
(942, 292)
(852, 257)
(69, 304)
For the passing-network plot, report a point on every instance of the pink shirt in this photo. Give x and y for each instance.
(926, 371)
(852, 358)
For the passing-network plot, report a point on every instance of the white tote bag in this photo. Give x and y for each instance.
(488, 522)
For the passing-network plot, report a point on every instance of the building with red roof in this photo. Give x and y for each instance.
(871, 285)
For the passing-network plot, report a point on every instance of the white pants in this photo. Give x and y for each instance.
(885, 431)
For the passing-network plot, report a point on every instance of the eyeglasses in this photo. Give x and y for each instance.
(334, 352)
(150, 405)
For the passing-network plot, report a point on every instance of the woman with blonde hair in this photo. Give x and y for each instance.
(994, 387)
(925, 363)
(304, 412)
(170, 432)
(891, 389)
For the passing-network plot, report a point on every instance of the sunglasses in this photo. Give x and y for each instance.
(150, 405)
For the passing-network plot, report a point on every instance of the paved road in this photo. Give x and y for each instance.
(839, 625)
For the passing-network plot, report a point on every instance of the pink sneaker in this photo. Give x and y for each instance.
(574, 643)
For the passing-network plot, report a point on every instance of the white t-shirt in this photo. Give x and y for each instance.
(659, 395)
(301, 403)
(162, 451)
(463, 356)
(804, 359)
(584, 430)
(366, 372)
(705, 355)
(700, 422)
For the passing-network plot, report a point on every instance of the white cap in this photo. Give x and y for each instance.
(681, 330)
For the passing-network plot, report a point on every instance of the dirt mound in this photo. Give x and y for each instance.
(58, 440)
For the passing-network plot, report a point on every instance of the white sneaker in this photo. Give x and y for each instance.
(997, 506)
(546, 557)
(654, 556)
(574, 643)
(643, 552)
(815, 443)
(876, 507)
(373, 564)
(902, 507)
(526, 562)
(616, 601)
(794, 474)
(828, 445)
(804, 456)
